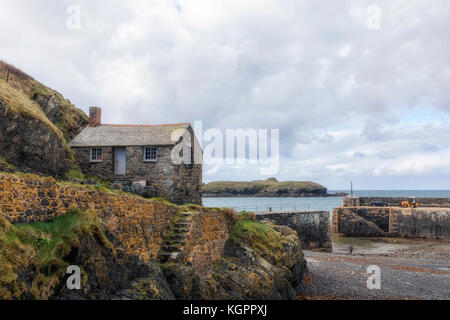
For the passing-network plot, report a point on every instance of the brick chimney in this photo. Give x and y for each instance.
(95, 116)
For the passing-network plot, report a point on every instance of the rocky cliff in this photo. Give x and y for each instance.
(267, 188)
(259, 261)
(130, 247)
(34, 259)
(36, 123)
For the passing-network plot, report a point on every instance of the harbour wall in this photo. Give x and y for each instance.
(312, 227)
(395, 201)
(423, 223)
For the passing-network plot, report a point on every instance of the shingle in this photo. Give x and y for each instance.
(126, 135)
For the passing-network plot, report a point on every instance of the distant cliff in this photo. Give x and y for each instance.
(264, 188)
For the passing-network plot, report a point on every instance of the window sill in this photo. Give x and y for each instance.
(151, 160)
(95, 161)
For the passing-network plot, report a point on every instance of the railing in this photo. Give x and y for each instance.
(272, 207)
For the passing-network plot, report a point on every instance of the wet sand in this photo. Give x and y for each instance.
(410, 269)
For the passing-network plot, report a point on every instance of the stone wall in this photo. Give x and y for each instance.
(177, 183)
(350, 202)
(347, 222)
(103, 169)
(133, 223)
(425, 223)
(396, 201)
(312, 227)
(205, 241)
(213, 267)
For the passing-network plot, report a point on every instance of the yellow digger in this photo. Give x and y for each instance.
(410, 203)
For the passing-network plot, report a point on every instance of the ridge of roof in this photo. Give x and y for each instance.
(127, 135)
(145, 125)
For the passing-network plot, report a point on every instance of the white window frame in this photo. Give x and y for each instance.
(156, 154)
(96, 160)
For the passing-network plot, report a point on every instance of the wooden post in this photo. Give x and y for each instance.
(7, 75)
(351, 189)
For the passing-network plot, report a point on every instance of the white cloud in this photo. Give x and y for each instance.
(334, 88)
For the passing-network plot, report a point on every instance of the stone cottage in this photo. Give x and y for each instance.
(166, 159)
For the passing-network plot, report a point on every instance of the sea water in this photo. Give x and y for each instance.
(313, 203)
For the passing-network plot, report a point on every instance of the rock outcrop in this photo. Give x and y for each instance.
(265, 262)
(59, 111)
(34, 260)
(36, 122)
(31, 144)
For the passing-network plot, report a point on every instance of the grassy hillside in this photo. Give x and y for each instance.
(260, 187)
(23, 94)
(36, 123)
(37, 251)
(20, 103)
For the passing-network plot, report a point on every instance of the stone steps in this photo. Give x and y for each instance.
(172, 248)
(181, 229)
(178, 243)
(187, 214)
(181, 225)
(175, 239)
(164, 257)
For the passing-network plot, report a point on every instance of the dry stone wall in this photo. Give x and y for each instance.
(205, 241)
(135, 224)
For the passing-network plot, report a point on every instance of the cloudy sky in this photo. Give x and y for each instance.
(354, 97)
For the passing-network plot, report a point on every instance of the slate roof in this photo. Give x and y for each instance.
(107, 135)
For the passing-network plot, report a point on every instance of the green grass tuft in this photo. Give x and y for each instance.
(5, 162)
(41, 247)
(75, 174)
(261, 236)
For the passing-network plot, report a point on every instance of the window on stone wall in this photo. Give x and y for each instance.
(150, 154)
(96, 154)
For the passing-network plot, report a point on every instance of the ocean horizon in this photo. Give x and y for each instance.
(312, 203)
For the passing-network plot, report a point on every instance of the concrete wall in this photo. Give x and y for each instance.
(312, 227)
(427, 223)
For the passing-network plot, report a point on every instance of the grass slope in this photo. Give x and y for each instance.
(19, 93)
(21, 104)
(39, 249)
